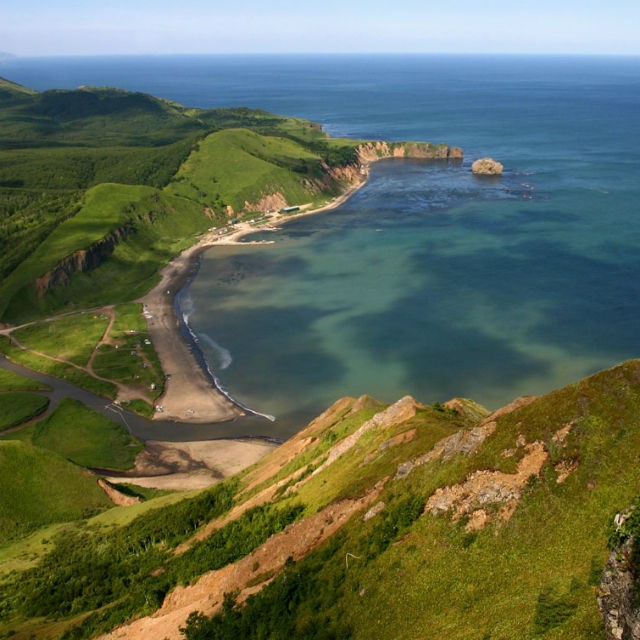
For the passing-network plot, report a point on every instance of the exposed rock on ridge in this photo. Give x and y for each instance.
(617, 598)
(83, 260)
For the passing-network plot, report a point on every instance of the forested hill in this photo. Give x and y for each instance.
(106, 116)
(60, 149)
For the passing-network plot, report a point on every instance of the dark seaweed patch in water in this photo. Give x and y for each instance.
(439, 357)
(591, 306)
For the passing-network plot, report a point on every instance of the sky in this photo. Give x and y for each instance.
(87, 27)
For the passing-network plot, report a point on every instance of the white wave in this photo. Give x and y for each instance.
(223, 355)
(186, 307)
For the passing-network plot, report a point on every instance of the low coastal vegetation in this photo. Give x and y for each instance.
(82, 436)
(434, 517)
(99, 351)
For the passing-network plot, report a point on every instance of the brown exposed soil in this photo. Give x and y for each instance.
(465, 441)
(207, 594)
(118, 498)
(564, 469)
(394, 414)
(270, 202)
(391, 416)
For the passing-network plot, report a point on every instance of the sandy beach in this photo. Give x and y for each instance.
(190, 394)
(183, 466)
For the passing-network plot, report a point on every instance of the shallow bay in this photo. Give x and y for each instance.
(427, 281)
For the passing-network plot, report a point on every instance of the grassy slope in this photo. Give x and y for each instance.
(530, 577)
(83, 437)
(20, 406)
(105, 208)
(238, 166)
(40, 487)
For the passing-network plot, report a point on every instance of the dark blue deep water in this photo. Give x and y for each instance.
(428, 281)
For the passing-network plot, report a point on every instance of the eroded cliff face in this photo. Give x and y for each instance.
(338, 178)
(372, 151)
(333, 180)
(617, 598)
(83, 260)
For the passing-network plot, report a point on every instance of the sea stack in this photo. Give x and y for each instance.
(487, 167)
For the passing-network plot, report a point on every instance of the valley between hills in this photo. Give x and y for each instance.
(404, 520)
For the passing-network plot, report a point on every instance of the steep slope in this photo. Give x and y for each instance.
(30, 499)
(406, 521)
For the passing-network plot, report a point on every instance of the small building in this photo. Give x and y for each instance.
(289, 209)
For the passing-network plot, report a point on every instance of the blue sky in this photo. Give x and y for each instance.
(70, 27)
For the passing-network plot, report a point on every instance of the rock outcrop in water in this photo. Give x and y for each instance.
(487, 167)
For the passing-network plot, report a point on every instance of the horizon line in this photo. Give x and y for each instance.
(7, 56)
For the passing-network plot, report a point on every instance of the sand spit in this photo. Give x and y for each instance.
(184, 466)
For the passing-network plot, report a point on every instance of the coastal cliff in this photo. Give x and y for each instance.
(377, 150)
(336, 179)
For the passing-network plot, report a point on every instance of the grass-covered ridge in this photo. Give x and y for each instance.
(526, 568)
(97, 184)
(40, 487)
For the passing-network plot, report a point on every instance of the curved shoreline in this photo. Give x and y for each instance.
(190, 336)
(193, 394)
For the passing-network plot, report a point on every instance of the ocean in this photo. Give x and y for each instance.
(427, 281)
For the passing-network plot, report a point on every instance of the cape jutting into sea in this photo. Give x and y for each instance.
(428, 281)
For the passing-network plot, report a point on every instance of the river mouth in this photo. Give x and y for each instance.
(248, 427)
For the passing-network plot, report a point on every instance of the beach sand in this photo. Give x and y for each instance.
(183, 466)
(190, 395)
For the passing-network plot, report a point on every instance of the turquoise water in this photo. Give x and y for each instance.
(428, 281)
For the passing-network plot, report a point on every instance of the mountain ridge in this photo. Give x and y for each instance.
(503, 519)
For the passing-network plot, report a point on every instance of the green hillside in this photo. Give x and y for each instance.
(10, 92)
(238, 165)
(39, 487)
(132, 179)
(82, 436)
(476, 527)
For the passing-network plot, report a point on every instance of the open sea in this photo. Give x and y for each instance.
(427, 281)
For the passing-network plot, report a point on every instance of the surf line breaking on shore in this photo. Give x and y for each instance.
(187, 332)
(179, 305)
